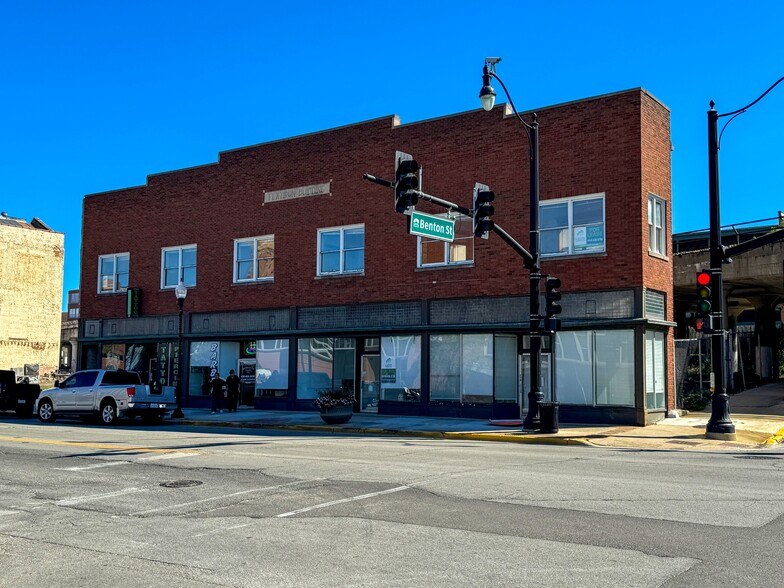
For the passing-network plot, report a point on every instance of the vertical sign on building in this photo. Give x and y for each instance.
(163, 364)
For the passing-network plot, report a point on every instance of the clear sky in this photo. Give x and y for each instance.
(95, 96)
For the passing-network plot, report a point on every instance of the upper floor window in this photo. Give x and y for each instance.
(656, 240)
(178, 263)
(434, 253)
(572, 225)
(73, 297)
(73, 313)
(341, 250)
(254, 259)
(113, 273)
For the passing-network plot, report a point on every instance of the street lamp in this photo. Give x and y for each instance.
(720, 424)
(487, 96)
(180, 292)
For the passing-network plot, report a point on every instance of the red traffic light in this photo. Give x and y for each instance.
(703, 278)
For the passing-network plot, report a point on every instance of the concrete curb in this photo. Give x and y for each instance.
(497, 437)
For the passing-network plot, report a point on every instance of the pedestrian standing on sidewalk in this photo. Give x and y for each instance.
(233, 390)
(217, 386)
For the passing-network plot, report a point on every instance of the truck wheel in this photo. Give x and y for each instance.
(46, 411)
(108, 412)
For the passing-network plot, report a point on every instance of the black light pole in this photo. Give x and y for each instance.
(720, 424)
(181, 292)
(487, 96)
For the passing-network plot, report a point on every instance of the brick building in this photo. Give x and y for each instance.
(302, 277)
(31, 292)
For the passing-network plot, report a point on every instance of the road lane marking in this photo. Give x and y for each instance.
(83, 444)
(175, 455)
(92, 497)
(203, 500)
(8, 512)
(95, 466)
(221, 530)
(341, 501)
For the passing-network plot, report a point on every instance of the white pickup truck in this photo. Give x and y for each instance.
(108, 394)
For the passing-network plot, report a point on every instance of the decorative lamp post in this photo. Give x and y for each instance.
(487, 96)
(720, 424)
(181, 291)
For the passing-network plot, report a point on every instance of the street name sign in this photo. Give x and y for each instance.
(434, 227)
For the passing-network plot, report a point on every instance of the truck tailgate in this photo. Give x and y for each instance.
(144, 394)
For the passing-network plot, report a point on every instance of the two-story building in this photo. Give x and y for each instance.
(302, 277)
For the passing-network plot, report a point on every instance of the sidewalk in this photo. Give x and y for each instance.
(760, 426)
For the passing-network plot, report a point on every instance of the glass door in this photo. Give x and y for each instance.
(370, 383)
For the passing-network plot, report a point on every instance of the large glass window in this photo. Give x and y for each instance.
(595, 368)
(401, 368)
(272, 367)
(505, 368)
(324, 363)
(656, 238)
(254, 259)
(113, 356)
(178, 263)
(341, 250)
(461, 368)
(655, 372)
(572, 225)
(112, 273)
(204, 361)
(434, 252)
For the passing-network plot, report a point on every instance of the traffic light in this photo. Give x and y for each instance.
(552, 307)
(483, 210)
(703, 322)
(406, 183)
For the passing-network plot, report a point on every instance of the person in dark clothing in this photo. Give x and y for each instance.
(233, 390)
(217, 386)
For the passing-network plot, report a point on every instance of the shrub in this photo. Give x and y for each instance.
(328, 398)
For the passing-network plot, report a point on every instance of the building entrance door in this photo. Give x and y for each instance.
(370, 382)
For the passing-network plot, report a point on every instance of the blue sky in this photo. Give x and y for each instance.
(95, 96)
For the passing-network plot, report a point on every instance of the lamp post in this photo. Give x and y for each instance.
(720, 424)
(487, 96)
(181, 291)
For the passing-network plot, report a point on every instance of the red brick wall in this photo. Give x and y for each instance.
(596, 145)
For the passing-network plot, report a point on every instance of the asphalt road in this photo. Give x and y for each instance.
(89, 506)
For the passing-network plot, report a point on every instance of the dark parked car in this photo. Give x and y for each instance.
(15, 396)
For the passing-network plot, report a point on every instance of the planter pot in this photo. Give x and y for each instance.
(337, 415)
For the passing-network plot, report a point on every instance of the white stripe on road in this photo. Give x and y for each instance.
(8, 512)
(203, 500)
(343, 500)
(216, 531)
(94, 466)
(167, 456)
(80, 499)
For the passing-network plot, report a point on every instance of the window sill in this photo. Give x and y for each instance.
(570, 256)
(658, 255)
(254, 282)
(343, 275)
(123, 292)
(428, 268)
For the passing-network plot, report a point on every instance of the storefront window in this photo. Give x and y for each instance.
(324, 363)
(461, 368)
(113, 356)
(615, 367)
(401, 368)
(574, 367)
(272, 368)
(505, 368)
(204, 361)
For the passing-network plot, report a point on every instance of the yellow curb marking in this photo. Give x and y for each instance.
(90, 445)
(777, 438)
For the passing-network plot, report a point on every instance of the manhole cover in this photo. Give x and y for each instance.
(758, 456)
(181, 483)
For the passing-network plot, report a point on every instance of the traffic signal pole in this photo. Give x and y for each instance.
(533, 418)
(720, 425)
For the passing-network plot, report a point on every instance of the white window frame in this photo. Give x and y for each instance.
(114, 257)
(570, 202)
(341, 271)
(179, 249)
(255, 241)
(447, 246)
(657, 239)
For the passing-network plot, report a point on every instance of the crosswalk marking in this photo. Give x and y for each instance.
(341, 501)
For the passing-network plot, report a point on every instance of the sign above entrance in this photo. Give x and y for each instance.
(434, 227)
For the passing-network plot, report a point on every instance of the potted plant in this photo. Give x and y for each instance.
(336, 406)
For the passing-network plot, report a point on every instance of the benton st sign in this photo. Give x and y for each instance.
(433, 227)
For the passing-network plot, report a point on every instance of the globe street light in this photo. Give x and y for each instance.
(181, 291)
(487, 96)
